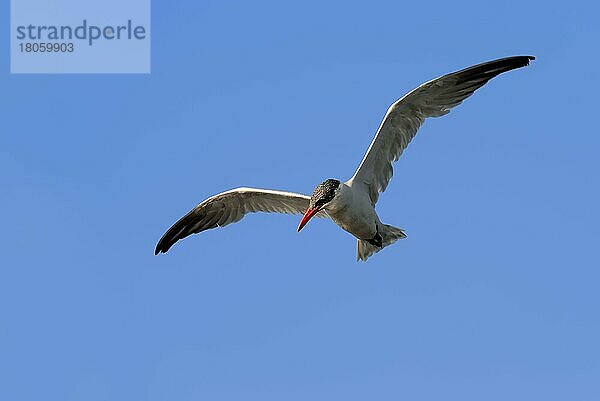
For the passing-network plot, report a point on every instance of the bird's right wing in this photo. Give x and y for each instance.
(403, 119)
(230, 207)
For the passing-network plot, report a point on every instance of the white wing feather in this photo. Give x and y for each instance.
(403, 119)
(230, 207)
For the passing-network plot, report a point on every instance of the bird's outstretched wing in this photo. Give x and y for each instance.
(402, 120)
(229, 207)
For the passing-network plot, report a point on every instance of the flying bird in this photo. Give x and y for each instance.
(351, 204)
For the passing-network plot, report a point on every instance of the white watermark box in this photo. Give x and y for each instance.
(80, 36)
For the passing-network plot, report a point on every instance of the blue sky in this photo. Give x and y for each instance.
(493, 295)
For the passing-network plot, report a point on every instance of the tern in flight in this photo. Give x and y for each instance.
(351, 204)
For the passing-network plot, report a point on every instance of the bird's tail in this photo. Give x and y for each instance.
(388, 234)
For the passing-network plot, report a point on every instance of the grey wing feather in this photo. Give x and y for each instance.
(403, 119)
(230, 207)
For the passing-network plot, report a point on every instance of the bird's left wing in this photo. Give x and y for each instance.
(402, 120)
(229, 207)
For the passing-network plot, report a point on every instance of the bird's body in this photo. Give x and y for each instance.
(351, 204)
(352, 210)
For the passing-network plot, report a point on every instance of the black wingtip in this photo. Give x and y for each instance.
(518, 61)
(512, 62)
(161, 247)
(169, 238)
(523, 60)
(528, 59)
(485, 71)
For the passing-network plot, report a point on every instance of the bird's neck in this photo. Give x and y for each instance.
(341, 200)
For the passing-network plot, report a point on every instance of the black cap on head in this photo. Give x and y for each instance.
(323, 193)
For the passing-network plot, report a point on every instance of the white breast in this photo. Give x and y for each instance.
(353, 213)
